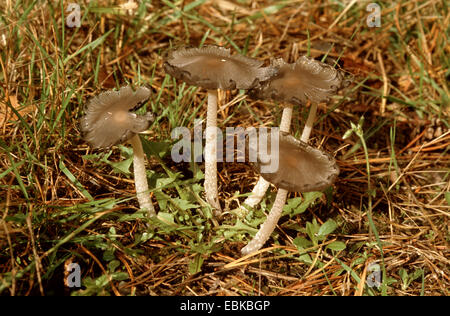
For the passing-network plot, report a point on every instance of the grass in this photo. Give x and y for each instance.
(62, 202)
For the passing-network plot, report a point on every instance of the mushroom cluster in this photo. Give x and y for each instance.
(295, 84)
(109, 120)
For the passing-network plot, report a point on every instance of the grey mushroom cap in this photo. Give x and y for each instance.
(306, 79)
(108, 120)
(213, 67)
(301, 167)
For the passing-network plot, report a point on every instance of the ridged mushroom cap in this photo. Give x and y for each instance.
(213, 67)
(108, 120)
(301, 167)
(306, 79)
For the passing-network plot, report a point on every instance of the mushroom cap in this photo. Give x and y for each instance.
(213, 67)
(306, 79)
(301, 167)
(108, 120)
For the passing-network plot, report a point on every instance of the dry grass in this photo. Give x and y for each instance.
(58, 205)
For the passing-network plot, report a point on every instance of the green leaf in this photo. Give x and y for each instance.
(120, 276)
(159, 149)
(311, 231)
(132, 217)
(298, 205)
(347, 134)
(336, 246)
(166, 218)
(183, 204)
(447, 197)
(242, 226)
(327, 228)
(108, 255)
(162, 182)
(404, 276)
(113, 265)
(195, 265)
(122, 166)
(417, 274)
(292, 204)
(301, 242)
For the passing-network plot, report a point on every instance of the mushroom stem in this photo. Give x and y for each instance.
(140, 177)
(260, 188)
(285, 124)
(268, 226)
(255, 197)
(211, 152)
(309, 123)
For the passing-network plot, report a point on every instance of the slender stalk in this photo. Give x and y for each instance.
(268, 226)
(309, 123)
(373, 229)
(285, 124)
(140, 177)
(211, 152)
(255, 197)
(259, 190)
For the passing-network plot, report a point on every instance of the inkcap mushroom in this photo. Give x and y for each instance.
(301, 168)
(108, 121)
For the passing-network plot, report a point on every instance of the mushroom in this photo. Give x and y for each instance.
(301, 168)
(295, 84)
(108, 121)
(212, 68)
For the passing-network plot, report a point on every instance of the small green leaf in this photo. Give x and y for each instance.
(108, 255)
(292, 204)
(195, 265)
(301, 242)
(120, 276)
(159, 149)
(404, 276)
(336, 246)
(241, 226)
(112, 266)
(327, 228)
(298, 205)
(347, 134)
(183, 204)
(417, 274)
(311, 231)
(447, 197)
(166, 218)
(122, 166)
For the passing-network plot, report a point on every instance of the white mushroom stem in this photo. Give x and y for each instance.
(270, 223)
(140, 177)
(211, 152)
(309, 123)
(260, 188)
